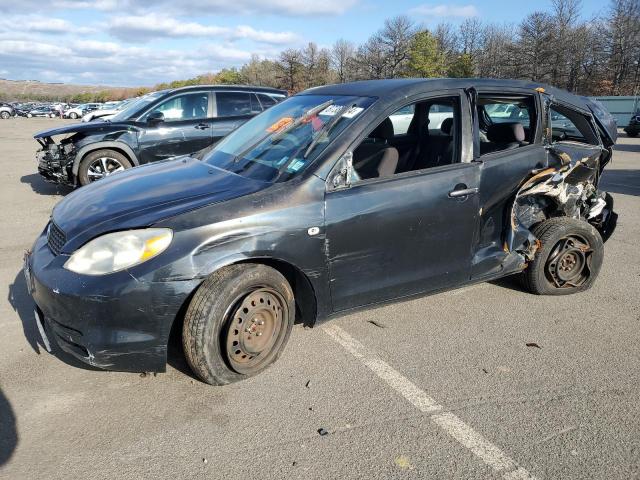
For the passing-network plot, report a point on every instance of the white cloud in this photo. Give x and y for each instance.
(144, 28)
(109, 63)
(39, 24)
(276, 38)
(445, 11)
(182, 7)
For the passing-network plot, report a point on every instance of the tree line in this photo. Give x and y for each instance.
(593, 56)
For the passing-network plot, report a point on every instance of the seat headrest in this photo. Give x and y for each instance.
(384, 131)
(508, 132)
(446, 126)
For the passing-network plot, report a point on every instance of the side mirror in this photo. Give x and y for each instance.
(343, 172)
(155, 117)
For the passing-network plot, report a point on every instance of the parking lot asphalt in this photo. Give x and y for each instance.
(442, 386)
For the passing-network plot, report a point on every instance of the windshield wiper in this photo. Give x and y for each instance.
(326, 129)
(304, 117)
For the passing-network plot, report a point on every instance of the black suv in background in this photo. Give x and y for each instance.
(634, 125)
(157, 126)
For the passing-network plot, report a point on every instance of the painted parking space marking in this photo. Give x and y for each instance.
(464, 434)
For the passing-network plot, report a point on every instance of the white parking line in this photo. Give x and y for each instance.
(450, 423)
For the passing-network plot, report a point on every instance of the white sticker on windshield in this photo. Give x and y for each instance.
(297, 165)
(331, 110)
(352, 112)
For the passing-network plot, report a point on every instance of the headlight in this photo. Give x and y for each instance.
(119, 250)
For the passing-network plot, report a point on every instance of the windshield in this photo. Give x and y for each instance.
(283, 140)
(137, 105)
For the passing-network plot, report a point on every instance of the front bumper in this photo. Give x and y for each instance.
(633, 128)
(55, 165)
(114, 322)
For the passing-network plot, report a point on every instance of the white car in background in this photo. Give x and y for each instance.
(437, 114)
(80, 110)
(107, 109)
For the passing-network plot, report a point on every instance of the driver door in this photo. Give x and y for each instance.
(401, 233)
(186, 128)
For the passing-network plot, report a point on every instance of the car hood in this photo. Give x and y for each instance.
(81, 127)
(142, 196)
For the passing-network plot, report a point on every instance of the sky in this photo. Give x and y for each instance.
(144, 42)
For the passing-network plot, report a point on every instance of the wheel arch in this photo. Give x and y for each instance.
(119, 147)
(303, 291)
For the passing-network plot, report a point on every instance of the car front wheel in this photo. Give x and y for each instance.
(238, 323)
(101, 163)
(568, 259)
(73, 115)
(5, 115)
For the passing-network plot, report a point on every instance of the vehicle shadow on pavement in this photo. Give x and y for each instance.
(22, 303)
(8, 430)
(42, 187)
(626, 182)
(511, 282)
(627, 147)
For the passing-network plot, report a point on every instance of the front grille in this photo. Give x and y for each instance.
(55, 238)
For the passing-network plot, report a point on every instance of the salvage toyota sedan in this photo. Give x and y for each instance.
(317, 207)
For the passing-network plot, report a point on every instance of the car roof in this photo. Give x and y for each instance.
(234, 88)
(398, 88)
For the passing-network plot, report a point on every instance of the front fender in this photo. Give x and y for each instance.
(91, 147)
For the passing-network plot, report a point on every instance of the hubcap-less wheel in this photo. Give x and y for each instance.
(5, 115)
(569, 263)
(254, 329)
(102, 167)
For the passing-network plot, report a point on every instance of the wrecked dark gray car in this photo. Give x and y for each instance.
(319, 206)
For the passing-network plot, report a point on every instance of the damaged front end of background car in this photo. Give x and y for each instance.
(55, 160)
(567, 187)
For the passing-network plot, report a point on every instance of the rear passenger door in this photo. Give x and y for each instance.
(503, 169)
(232, 109)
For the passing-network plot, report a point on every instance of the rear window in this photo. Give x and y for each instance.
(567, 124)
(232, 104)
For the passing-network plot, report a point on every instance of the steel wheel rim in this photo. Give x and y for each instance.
(569, 264)
(5, 115)
(254, 330)
(103, 167)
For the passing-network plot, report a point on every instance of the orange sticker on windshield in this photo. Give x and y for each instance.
(283, 122)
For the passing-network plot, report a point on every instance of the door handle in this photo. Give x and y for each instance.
(202, 126)
(462, 192)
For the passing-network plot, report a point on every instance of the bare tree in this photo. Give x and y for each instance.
(395, 39)
(342, 58)
(291, 70)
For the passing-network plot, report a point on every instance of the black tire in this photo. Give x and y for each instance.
(213, 319)
(568, 260)
(73, 115)
(85, 175)
(5, 115)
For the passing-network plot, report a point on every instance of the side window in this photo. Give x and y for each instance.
(385, 152)
(567, 124)
(438, 113)
(232, 104)
(189, 106)
(506, 121)
(255, 104)
(266, 100)
(402, 119)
